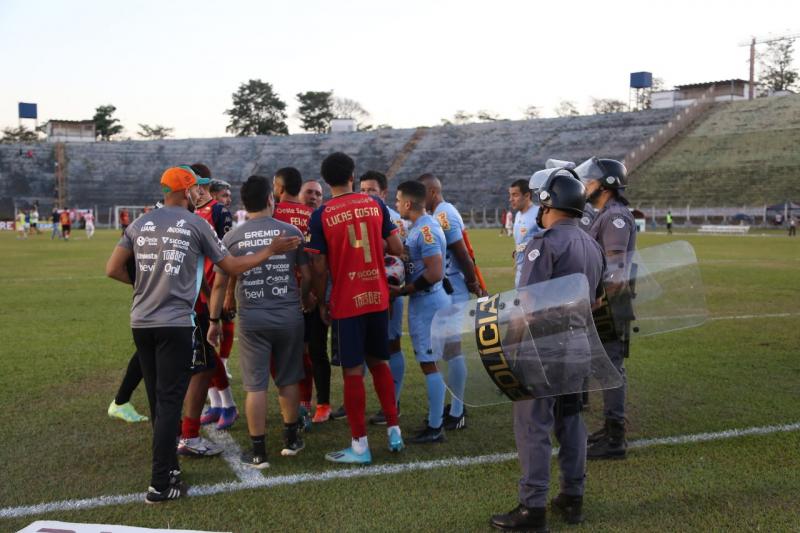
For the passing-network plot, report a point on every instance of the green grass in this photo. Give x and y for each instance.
(65, 343)
(741, 153)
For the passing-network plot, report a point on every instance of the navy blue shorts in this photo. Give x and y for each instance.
(360, 336)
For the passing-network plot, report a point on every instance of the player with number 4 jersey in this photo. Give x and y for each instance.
(347, 238)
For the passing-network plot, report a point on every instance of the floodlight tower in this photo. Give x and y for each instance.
(752, 44)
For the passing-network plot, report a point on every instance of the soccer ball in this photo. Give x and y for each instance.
(395, 270)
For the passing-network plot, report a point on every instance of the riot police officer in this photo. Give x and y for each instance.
(615, 231)
(560, 250)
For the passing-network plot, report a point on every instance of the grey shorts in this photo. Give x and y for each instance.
(270, 349)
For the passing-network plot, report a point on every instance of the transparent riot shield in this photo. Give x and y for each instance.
(650, 291)
(532, 342)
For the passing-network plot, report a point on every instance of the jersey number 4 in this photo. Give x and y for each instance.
(363, 242)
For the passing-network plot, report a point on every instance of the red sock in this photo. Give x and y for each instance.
(384, 387)
(227, 339)
(307, 383)
(190, 428)
(220, 377)
(355, 404)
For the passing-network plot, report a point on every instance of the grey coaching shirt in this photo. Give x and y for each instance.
(169, 246)
(268, 295)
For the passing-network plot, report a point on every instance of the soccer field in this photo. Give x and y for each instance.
(65, 341)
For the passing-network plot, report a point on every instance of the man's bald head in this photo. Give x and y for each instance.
(433, 191)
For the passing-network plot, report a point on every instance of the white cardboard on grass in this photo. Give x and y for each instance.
(49, 526)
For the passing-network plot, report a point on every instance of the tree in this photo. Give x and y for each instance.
(19, 134)
(531, 112)
(105, 125)
(316, 110)
(487, 116)
(644, 99)
(462, 117)
(257, 110)
(154, 132)
(601, 106)
(347, 108)
(777, 73)
(566, 108)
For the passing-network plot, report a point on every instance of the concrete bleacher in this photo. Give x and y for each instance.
(741, 153)
(475, 161)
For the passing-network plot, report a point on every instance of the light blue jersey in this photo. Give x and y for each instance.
(425, 239)
(396, 306)
(452, 225)
(525, 228)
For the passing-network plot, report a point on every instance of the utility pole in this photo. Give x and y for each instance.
(752, 44)
(752, 88)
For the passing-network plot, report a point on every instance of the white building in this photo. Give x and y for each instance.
(686, 95)
(71, 131)
(346, 125)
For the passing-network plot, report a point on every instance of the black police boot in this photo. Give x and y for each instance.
(570, 507)
(522, 518)
(598, 435)
(613, 446)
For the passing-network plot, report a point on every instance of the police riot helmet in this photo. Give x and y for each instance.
(563, 190)
(609, 172)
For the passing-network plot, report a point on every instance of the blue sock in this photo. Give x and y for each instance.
(456, 381)
(435, 385)
(397, 363)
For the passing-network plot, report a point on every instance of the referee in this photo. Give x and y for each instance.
(168, 246)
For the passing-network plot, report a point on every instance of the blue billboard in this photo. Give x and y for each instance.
(27, 110)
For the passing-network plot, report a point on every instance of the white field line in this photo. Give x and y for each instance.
(750, 317)
(370, 471)
(230, 453)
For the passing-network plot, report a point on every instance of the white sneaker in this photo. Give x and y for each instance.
(198, 447)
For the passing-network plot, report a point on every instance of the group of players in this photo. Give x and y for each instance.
(297, 266)
(294, 271)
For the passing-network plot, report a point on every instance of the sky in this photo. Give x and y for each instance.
(410, 63)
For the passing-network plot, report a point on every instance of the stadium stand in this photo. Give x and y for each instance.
(475, 161)
(741, 154)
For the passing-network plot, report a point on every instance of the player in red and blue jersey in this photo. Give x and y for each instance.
(347, 238)
(287, 183)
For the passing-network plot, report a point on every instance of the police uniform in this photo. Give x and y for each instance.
(589, 214)
(615, 231)
(558, 251)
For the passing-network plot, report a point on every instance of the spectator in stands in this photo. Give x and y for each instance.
(56, 220)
